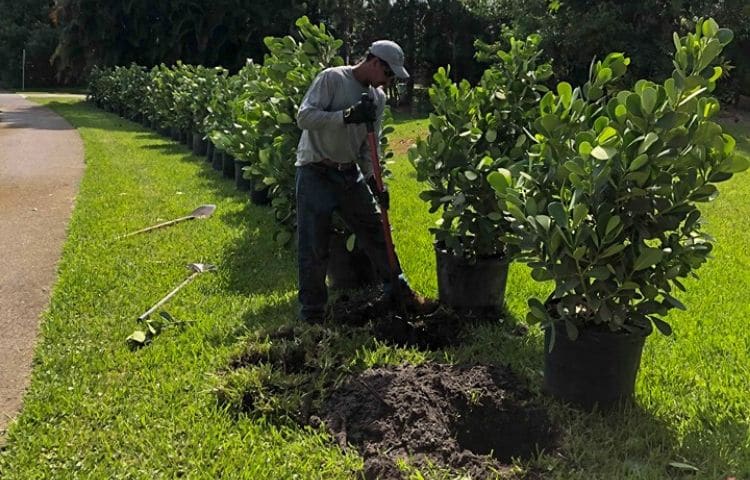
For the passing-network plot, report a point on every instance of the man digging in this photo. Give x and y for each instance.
(335, 173)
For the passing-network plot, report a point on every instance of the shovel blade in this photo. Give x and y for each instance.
(204, 211)
(201, 267)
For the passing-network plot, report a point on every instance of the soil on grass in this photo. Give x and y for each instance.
(442, 328)
(468, 419)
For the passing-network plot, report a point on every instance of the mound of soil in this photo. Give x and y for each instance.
(472, 419)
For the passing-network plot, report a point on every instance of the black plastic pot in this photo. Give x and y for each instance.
(209, 152)
(259, 196)
(240, 182)
(227, 164)
(348, 270)
(217, 159)
(199, 145)
(598, 369)
(464, 285)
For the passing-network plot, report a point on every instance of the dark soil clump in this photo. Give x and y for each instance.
(472, 419)
(389, 323)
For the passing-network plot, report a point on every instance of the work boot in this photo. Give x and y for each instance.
(418, 304)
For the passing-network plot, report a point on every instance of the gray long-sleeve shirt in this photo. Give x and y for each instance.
(321, 118)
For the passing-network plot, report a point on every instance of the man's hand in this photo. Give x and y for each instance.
(383, 198)
(361, 112)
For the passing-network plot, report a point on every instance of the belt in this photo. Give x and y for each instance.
(341, 167)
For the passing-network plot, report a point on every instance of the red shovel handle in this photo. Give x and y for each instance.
(378, 174)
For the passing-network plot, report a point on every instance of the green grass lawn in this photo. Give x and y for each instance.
(97, 409)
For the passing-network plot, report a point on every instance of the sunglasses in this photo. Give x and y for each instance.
(387, 69)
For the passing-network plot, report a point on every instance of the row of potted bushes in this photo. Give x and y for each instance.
(595, 187)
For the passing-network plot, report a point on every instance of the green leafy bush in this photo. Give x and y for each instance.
(609, 209)
(474, 131)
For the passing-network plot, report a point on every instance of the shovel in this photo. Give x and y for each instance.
(204, 211)
(196, 268)
(387, 236)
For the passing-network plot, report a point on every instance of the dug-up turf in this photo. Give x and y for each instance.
(471, 420)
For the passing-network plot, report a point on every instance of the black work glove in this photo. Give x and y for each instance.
(383, 198)
(361, 112)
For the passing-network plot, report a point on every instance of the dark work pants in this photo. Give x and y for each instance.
(320, 191)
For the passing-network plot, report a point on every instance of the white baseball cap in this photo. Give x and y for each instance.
(391, 53)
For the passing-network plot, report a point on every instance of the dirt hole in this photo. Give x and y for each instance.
(505, 435)
(468, 419)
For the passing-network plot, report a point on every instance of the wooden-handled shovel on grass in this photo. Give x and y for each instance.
(204, 211)
(196, 268)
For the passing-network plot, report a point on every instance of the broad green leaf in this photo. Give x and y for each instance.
(638, 162)
(565, 91)
(620, 111)
(490, 135)
(585, 150)
(574, 167)
(669, 87)
(710, 27)
(607, 135)
(612, 250)
(579, 213)
(557, 211)
(500, 180)
(737, 164)
(674, 302)
(647, 258)
(471, 176)
(604, 75)
(543, 221)
(603, 153)
(650, 139)
(550, 122)
(680, 465)
(350, 242)
(613, 223)
(139, 337)
(725, 36)
(709, 53)
(537, 309)
(661, 325)
(284, 119)
(599, 272)
(541, 275)
(648, 100)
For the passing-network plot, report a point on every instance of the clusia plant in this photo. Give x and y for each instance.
(474, 131)
(609, 210)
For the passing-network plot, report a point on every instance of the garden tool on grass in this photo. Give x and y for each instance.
(196, 268)
(377, 174)
(204, 211)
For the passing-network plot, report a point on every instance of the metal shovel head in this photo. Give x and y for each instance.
(204, 211)
(201, 267)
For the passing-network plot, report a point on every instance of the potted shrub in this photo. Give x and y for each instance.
(473, 131)
(610, 211)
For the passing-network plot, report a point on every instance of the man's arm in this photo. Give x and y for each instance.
(312, 114)
(365, 160)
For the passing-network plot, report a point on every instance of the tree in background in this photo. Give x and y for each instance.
(576, 31)
(25, 24)
(217, 32)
